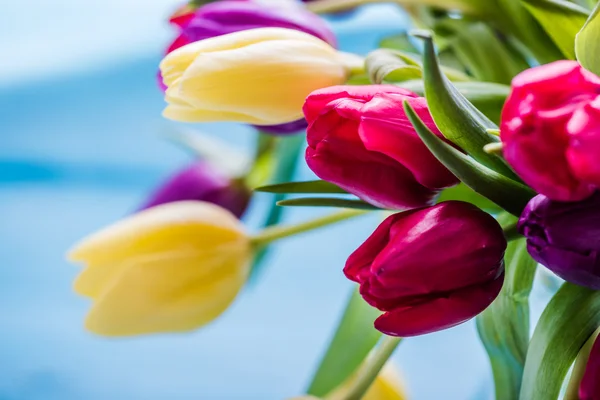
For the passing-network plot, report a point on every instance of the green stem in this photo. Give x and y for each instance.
(279, 232)
(373, 365)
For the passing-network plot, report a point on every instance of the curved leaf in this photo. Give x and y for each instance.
(317, 186)
(567, 322)
(586, 42)
(561, 20)
(352, 342)
(459, 121)
(484, 54)
(487, 97)
(327, 202)
(508, 194)
(504, 326)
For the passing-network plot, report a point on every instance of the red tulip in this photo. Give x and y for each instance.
(430, 269)
(360, 139)
(550, 130)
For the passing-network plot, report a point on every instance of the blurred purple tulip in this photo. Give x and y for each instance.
(201, 181)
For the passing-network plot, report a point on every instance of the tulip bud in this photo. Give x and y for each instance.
(258, 76)
(170, 268)
(565, 237)
(549, 133)
(228, 16)
(360, 139)
(430, 269)
(589, 388)
(202, 182)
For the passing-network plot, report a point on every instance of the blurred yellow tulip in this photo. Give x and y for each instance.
(257, 76)
(387, 386)
(170, 268)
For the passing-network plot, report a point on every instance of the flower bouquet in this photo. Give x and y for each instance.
(475, 137)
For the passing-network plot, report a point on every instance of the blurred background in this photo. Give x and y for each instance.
(80, 147)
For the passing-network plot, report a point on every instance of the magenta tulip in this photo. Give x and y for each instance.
(550, 130)
(430, 269)
(360, 139)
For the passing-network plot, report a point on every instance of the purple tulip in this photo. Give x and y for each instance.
(227, 16)
(203, 182)
(431, 268)
(565, 237)
(589, 388)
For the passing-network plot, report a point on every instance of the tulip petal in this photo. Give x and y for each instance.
(183, 223)
(156, 295)
(434, 314)
(320, 98)
(385, 128)
(267, 80)
(97, 277)
(360, 260)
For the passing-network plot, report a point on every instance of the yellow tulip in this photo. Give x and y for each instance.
(170, 268)
(387, 386)
(257, 76)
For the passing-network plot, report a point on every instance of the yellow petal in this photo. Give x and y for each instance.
(96, 278)
(268, 81)
(190, 114)
(176, 62)
(172, 226)
(170, 294)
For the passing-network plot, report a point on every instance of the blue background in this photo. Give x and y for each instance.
(80, 146)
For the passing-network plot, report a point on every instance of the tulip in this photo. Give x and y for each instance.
(589, 388)
(565, 237)
(202, 182)
(258, 76)
(228, 16)
(549, 130)
(430, 269)
(360, 139)
(170, 268)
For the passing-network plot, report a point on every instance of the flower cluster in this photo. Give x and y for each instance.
(417, 143)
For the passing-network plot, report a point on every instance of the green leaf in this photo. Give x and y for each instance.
(302, 187)
(483, 53)
(508, 194)
(567, 322)
(586, 42)
(489, 98)
(512, 18)
(327, 202)
(385, 65)
(353, 340)
(288, 152)
(464, 193)
(561, 20)
(504, 326)
(459, 121)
